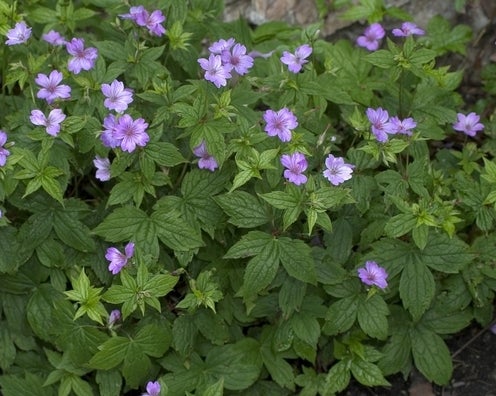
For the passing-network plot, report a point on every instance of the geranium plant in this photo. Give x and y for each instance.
(196, 207)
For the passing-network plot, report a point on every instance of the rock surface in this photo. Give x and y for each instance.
(478, 13)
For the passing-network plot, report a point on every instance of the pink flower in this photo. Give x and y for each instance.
(215, 71)
(4, 153)
(237, 59)
(152, 389)
(54, 38)
(468, 124)
(372, 37)
(117, 259)
(381, 126)
(19, 34)
(82, 58)
(337, 171)
(408, 29)
(373, 274)
(280, 123)
(131, 133)
(107, 137)
(403, 127)
(117, 97)
(114, 317)
(206, 160)
(296, 61)
(102, 168)
(52, 122)
(295, 165)
(50, 88)
(218, 47)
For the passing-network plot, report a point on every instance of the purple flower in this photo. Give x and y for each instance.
(380, 124)
(117, 259)
(114, 317)
(280, 123)
(52, 122)
(218, 47)
(118, 97)
(4, 153)
(131, 133)
(83, 58)
(296, 164)
(468, 124)
(337, 170)
(372, 37)
(108, 135)
(237, 59)
(54, 38)
(135, 13)
(50, 88)
(295, 62)
(102, 168)
(372, 274)
(403, 127)
(153, 23)
(408, 29)
(143, 18)
(19, 34)
(152, 389)
(206, 160)
(215, 71)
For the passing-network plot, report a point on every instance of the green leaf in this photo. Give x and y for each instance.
(30, 385)
(297, 259)
(381, 58)
(367, 373)
(372, 317)
(109, 382)
(400, 224)
(338, 378)
(154, 340)
(284, 199)
(261, 269)
(72, 232)
(216, 389)
(164, 154)
(279, 369)
(111, 353)
(341, 315)
(417, 288)
(183, 334)
(174, 232)
(250, 244)
(11, 259)
(244, 209)
(445, 254)
(431, 355)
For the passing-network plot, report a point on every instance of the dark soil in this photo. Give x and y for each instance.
(473, 352)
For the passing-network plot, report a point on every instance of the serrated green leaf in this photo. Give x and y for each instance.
(250, 244)
(261, 269)
(154, 340)
(174, 232)
(341, 315)
(372, 317)
(445, 254)
(400, 224)
(297, 259)
(244, 210)
(431, 355)
(164, 154)
(72, 232)
(111, 353)
(367, 373)
(417, 288)
(338, 378)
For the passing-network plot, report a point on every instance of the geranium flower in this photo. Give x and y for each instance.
(372, 36)
(83, 58)
(131, 133)
(237, 59)
(403, 127)
(54, 38)
(206, 160)
(295, 165)
(408, 29)
(50, 88)
(468, 124)
(102, 168)
(152, 389)
(280, 123)
(52, 122)
(379, 119)
(296, 61)
(337, 171)
(117, 259)
(19, 34)
(215, 71)
(4, 153)
(117, 97)
(373, 274)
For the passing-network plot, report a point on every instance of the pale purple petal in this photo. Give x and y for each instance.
(373, 274)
